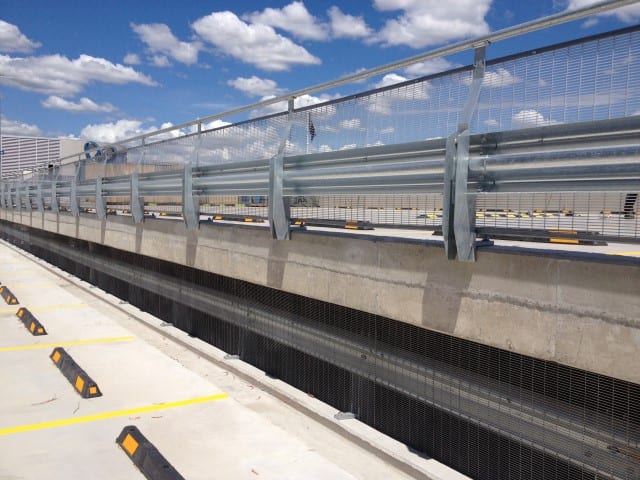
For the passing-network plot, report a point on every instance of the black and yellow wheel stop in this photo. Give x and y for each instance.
(82, 382)
(31, 322)
(237, 218)
(146, 456)
(9, 297)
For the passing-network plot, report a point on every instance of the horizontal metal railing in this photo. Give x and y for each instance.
(541, 159)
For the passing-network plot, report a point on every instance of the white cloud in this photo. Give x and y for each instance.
(59, 75)
(500, 78)
(495, 79)
(429, 67)
(115, 132)
(160, 41)
(348, 146)
(390, 79)
(299, 102)
(383, 103)
(531, 118)
(308, 100)
(293, 18)
(255, 86)
(13, 40)
(255, 44)
(628, 14)
(16, 127)
(85, 105)
(131, 59)
(213, 125)
(492, 122)
(161, 61)
(347, 26)
(353, 124)
(432, 22)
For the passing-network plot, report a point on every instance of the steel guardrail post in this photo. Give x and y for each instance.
(39, 199)
(25, 195)
(55, 207)
(458, 217)
(135, 200)
(3, 200)
(190, 202)
(279, 210)
(101, 205)
(73, 197)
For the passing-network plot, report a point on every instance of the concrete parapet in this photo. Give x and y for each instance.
(581, 311)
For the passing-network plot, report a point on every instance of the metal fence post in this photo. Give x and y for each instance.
(74, 203)
(458, 216)
(101, 205)
(55, 207)
(190, 202)
(135, 200)
(279, 210)
(39, 199)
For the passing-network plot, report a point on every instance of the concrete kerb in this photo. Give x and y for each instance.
(393, 452)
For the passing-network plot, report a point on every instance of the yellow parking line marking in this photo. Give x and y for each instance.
(626, 253)
(114, 414)
(46, 308)
(66, 344)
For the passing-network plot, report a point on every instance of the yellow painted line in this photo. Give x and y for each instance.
(114, 414)
(631, 254)
(66, 344)
(46, 308)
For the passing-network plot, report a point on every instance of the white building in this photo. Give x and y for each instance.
(26, 153)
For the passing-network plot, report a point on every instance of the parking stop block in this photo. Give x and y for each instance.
(9, 297)
(31, 322)
(82, 382)
(145, 456)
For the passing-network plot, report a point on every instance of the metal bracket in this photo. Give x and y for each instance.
(136, 201)
(458, 216)
(39, 199)
(279, 209)
(101, 205)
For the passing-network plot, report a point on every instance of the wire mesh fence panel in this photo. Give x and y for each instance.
(584, 81)
(604, 215)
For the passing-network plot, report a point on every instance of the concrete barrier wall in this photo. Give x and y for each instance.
(581, 312)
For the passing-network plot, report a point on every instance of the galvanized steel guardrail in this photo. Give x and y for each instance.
(596, 155)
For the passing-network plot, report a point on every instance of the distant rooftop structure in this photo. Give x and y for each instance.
(26, 153)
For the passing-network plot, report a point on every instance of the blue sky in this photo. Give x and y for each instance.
(106, 69)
